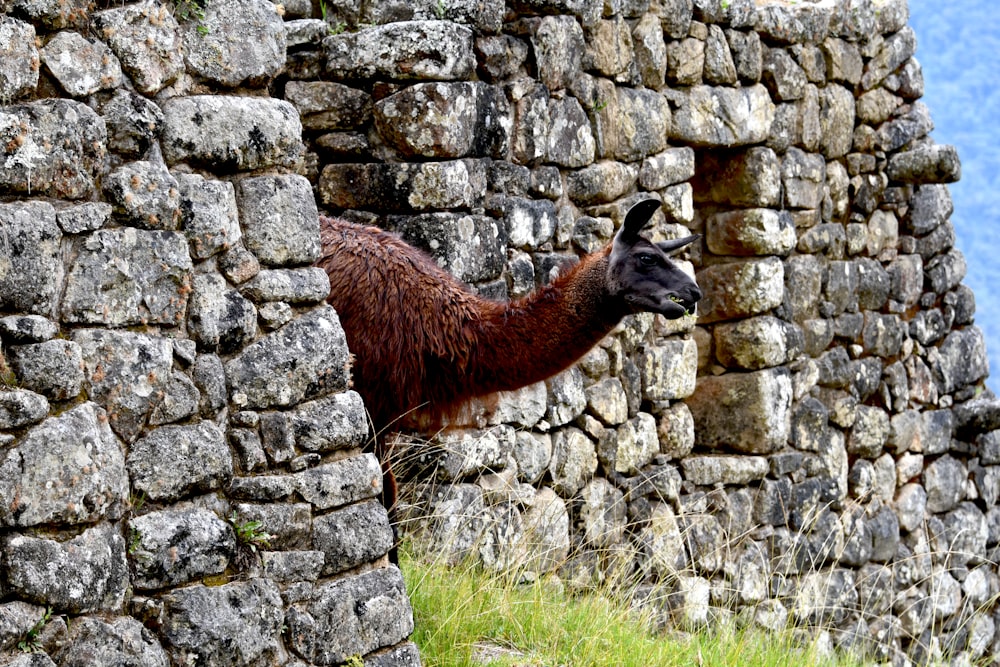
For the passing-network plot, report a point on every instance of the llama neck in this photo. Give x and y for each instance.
(535, 337)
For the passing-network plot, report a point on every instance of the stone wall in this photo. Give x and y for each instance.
(816, 446)
(182, 474)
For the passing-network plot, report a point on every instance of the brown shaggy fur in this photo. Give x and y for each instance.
(424, 343)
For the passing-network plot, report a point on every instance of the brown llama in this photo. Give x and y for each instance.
(424, 343)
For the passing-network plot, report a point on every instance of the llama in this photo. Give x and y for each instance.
(424, 343)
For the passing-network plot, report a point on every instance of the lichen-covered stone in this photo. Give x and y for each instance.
(145, 194)
(724, 117)
(446, 120)
(19, 71)
(305, 359)
(600, 182)
(438, 50)
(30, 267)
(231, 132)
(173, 547)
(124, 641)
(351, 616)
(84, 217)
(53, 368)
(297, 286)
(754, 231)
(962, 359)
(173, 461)
(396, 187)
(574, 461)
(238, 623)
(85, 574)
(757, 409)
(669, 370)
(133, 122)
(753, 343)
(68, 469)
(740, 289)
(485, 17)
(352, 536)
(569, 141)
(146, 39)
(150, 278)
(81, 67)
(208, 214)
(472, 247)
(235, 42)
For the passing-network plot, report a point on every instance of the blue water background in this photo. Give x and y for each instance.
(958, 46)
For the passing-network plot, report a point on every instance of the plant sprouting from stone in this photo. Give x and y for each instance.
(250, 537)
(354, 661)
(191, 10)
(32, 642)
(134, 540)
(440, 10)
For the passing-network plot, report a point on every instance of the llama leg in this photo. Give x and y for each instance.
(390, 493)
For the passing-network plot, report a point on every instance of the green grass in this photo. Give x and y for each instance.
(458, 611)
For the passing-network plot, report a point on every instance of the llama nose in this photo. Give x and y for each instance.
(695, 294)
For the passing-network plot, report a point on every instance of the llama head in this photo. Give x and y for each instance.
(641, 273)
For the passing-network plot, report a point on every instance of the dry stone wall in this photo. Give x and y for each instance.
(816, 446)
(183, 478)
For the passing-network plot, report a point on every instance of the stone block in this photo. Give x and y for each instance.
(235, 42)
(403, 187)
(748, 412)
(31, 257)
(723, 117)
(473, 248)
(740, 289)
(172, 547)
(435, 50)
(749, 232)
(352, 536)
(80, 66)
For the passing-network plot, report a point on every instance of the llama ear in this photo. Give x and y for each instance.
(676, 244)
(638, 217)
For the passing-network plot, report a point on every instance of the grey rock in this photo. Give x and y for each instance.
(606, 400)
(173, 547)
(632, 447)
(894, 51)
(21, 408)
(234, 624)
(740, 289)
(946, 271)
(674, 165)
(929, 164)
(803, 176)
(68, 469)
(794, 23)
(911, 506)
(734, 470)
(16, 620)
(285, 526)
(931, 206)
(53, 368)
(146, 39)
(877, 106)
(19, 72)
(145, 194)
(174, 461)
(609, 47)
(825, 596)
(235, 43)
(782, 75)
(758, 406)
(438, 50)
(962, 360)
(869, 433)
(532, 453)
(883, 335)
(84, 217)
(719, 65)
(231, 132)
(30, 283)
(601, 182)
(569, 139)
(210, 379)
(297, 286)
(574, 461)
(472, 247)
(208, 214)
(668, 370)
(738, 116)
(566, 397)
(960, 535)
(754, 231)
(748, 56)
(133, 122)
(906, 127)
(639, 126)
(305, 359)
(326, 105)
(281, 222)
(126, 276)
(484, 17)
(836, 121)
(405, 186)
(500, 56)
(85, 574)
(446, 120)
(80, 66)
(754, 343)
(292, 566)
(351, 616)
(125, 641)
(27, 328)
(338, 483)
(944, 481)
(661, 541)
(676, 431)
(457, 453)
(685, 61)
(59, 152)
(843, 61)
(602, 514)
(748, 178)
(331, 423)
(651, 51)
(352, 536)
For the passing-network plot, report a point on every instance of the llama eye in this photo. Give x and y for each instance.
(647, 260)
